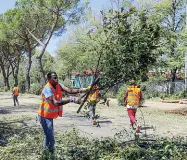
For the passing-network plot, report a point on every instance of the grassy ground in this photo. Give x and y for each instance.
(21, 136)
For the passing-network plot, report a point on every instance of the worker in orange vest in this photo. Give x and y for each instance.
(93, 99)
(15, 95)
(51, 106)
(132, 99)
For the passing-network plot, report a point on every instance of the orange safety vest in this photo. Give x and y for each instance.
(93, 96)
(16, 91)
(47, 109)
(133, 97)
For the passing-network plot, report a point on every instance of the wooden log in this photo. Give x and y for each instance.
(170, 101)
(182, 102)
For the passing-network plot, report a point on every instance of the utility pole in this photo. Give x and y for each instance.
(185, 78)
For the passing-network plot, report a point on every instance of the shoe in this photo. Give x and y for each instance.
(94, 122)
(131, 126)
(138, 129)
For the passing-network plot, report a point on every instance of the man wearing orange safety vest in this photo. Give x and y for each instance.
(15, 95)
(93, 98)
(51, 106)
(132, 99)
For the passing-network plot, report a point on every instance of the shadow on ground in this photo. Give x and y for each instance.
(178, 111)
(147, 127)
(104, 121)
(8, 129)
(5, 111)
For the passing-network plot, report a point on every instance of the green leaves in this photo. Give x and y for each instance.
(129, 48)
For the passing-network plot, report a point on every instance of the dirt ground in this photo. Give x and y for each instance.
(154, 117)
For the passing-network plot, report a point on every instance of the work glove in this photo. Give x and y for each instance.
(76, 100)
(84, 90)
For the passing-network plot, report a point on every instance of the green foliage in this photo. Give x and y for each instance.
(125, 44)
(67, 83)
(177, 96)
(24, 145)
(75, 55)
(129, 49)
(35, 88)
(22, 82)
(148, 89)
(121, 93)
(48, 65)
(172, 34)
(109, 94)
(3, 89)
(72, 146)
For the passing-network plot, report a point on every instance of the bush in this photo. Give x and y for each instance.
(71, 146)
(109, 94)
(179, 95)
(121, 93)
(3, 89)
(35, 88)
(22, 86)
(67, 83)
(148, 90)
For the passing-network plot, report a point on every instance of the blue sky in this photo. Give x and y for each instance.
(6, 4)
(96, 6)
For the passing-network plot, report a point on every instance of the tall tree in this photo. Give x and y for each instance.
(172, 17)
(22, 40)
(50, 17)
(5, 68)
(129, 48)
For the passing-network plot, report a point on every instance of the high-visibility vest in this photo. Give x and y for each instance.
(47, 108)
(133, 97)
(16, 91)
(93, 96)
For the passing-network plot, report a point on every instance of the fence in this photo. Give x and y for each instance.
(167, 87)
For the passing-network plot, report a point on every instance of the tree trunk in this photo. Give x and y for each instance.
(6, 81)
(173, 77)
(16, 79)
(16, 72)
(5, 74)
(39, 60)
(28, 68)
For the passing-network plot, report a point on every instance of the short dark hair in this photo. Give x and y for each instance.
(132, 82)
(49, 75)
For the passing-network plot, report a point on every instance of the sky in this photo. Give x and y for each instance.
(96, 6)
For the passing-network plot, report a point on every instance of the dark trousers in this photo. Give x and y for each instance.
(15, 98)
(92, 107)
(47, 125)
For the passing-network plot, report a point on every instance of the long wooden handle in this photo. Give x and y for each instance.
(87, 94)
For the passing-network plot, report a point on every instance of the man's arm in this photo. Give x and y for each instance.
(64, 101)
(125, 98)
(50, 96)
(141, 97)
(73, 91)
